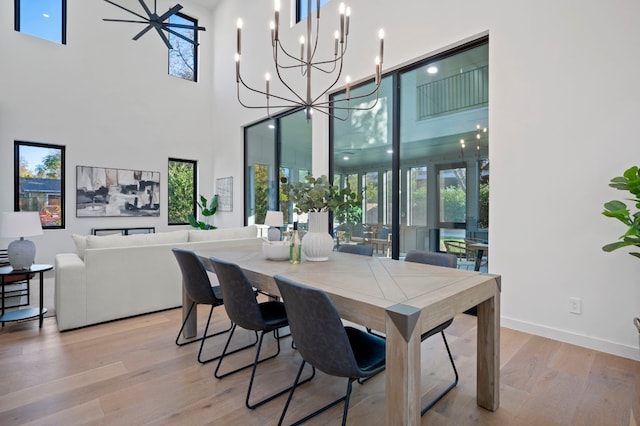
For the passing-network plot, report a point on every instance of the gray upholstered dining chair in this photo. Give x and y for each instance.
(198, 287)
(325, 343)
(245, 311)
(449, 261)
(362, 249)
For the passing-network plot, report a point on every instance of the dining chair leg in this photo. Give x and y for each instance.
(184, 323)
(225, 353)
(253, 373)
(451, 386)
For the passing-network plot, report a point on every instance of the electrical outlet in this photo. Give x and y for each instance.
(575, 305)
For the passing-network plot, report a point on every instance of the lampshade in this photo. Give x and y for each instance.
(22, 253)
(275, 220)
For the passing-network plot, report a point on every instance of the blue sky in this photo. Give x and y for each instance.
(33, 155)
(42, 18)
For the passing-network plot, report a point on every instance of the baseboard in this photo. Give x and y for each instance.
(625, 351)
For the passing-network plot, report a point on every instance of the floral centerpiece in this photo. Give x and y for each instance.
(316, 196)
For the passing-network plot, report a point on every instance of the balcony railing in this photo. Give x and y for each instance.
(462, 91)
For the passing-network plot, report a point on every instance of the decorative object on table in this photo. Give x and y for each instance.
(316, 196)
(206, 210)
(305, 64)
(275, 250)
(295, 248)
(116, 192)
(274, 219)
(629, 181)
(224, 189)
(22, 253)
(157, 22)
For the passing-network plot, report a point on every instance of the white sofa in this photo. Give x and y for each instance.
(113, 277)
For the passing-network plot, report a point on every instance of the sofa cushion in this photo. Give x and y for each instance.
(250, 231)
(111, 241)
(81, 244)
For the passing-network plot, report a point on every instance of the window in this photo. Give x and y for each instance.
(430, 129)
(182, 190)
(46, 19)
(279, 147)
(302, 8)
(39, 181)
(183, 58)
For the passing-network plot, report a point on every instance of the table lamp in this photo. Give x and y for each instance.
(21, 252)
(275, 221)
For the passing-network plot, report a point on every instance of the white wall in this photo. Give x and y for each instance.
(108, 100)
(564, 100)
(563, 105)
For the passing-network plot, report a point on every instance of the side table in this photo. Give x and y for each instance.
(26, 313)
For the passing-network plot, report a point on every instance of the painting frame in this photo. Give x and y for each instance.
(111, 192)
(224, 189)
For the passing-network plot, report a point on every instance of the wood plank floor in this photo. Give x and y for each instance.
(130, 372)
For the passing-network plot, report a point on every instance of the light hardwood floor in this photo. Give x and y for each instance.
(130, 372)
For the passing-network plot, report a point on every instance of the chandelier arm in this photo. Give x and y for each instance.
(330, 103)
(260, 92)
(328, 114)
(177, 34)
(128, 10)
(275, 57)
(335, 81)
(343, 51)
(284, 83)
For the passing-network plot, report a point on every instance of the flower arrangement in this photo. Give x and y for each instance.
(318, 195)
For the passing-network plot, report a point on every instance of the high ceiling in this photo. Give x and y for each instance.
(207, 3)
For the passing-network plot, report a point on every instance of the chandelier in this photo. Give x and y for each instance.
(304, 65)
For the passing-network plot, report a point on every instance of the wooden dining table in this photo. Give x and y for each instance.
(401, 299)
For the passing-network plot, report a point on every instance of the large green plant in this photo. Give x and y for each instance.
(318, 195)
(206, 211)
(629, 181)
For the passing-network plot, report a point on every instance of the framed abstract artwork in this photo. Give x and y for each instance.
(116, 192)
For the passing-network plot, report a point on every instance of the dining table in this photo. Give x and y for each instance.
(400, 299)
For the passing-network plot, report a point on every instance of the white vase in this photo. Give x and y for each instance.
(317, 243)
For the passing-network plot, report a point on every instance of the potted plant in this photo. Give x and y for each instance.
(316, 196)
(206, 211)
(629, 181)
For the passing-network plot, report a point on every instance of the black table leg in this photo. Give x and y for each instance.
(479, 255)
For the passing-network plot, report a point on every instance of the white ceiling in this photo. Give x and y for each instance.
(206, 3)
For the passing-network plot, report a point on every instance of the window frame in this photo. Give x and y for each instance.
(16, 176)
(194, 183)
(298, 11)
(172, 39)
(63, 27)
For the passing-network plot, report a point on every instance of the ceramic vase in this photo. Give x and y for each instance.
(317, 243)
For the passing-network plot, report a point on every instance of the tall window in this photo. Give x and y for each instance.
(432, 159)
(275, 148)
(182, 188)
(302, 10)
(183, 58)
(46, 19)
(39, 181)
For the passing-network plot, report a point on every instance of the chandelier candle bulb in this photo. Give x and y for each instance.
(301, 48)
(346, 25)
(277, 19)
(267, 77)
(272, 26)
(238, 48)
(341, 22)
(348, 81)
(381, 35)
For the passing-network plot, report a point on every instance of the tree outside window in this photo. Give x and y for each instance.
(182, 191)
(183, 58)
(39, 181)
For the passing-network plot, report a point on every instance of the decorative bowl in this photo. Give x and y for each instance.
(276, 250)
